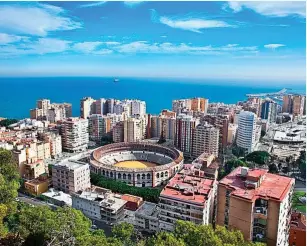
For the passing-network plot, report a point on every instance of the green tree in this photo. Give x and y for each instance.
(123, 231)
(230, 166)
(259, 157)
(301, 163)
(148, 194)
(8, 122)
(9, 184)
(42, 226)
(165, 239)
(273, 168)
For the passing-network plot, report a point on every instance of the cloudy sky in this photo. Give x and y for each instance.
(262, 41)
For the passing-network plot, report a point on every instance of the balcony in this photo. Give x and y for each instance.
(260, 212)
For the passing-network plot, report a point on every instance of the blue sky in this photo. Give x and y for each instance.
(260, 41)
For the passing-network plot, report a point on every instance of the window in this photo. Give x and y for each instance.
(157, 175)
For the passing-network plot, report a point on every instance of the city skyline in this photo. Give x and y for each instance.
(221, 40)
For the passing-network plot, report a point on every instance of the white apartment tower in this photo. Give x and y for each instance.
(138, 107)
(87, 107)
(246, 133)
(205, 139)
(74, 133)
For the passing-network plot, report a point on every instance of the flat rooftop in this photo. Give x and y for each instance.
(148, 209)
(271, 186)
(71, 165)
(59, 196)
(188, 188)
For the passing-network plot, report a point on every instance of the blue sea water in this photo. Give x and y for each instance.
(19, 95)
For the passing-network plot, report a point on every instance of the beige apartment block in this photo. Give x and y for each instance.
(257, 203)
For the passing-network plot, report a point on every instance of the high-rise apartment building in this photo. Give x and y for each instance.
(156, 126)
(205, 139)
(168, 113)
(101, 106)
(199, 104)
(134, 129)
(74, 132)
(222, 123)
(99, 126)
(59, 111)
(163, 126)
(122, 107)
(50, 111)
(246, 134)
(44, 105)
(138, 107)
(257, 203)
(269, 110)
(294, 104)
(87, 107)
(71, 176)
(185, 124)
(192, 104)
(287, 104)
(298, 105)
(188, 196)
(118, 132)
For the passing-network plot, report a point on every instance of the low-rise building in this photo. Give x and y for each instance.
(37, 186)
(146, 217)
(71, 176)
(101, 205)
(58, 198)
(133, 202)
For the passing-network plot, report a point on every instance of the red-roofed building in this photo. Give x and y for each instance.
(257, 203)
(297, 229)
(188, 196)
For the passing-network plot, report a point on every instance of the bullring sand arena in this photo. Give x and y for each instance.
(135, 164)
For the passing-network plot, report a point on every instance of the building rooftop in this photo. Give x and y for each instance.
(148, 209)
(251, 184)
(106, 198)
(298, 221)
(192, 189)
(59, 196)
(70, 164)
(131, 198)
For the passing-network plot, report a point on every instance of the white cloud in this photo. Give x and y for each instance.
(86, 47)
(94, 4)
(36, 19)
(274, 9)
(7, 38)
(273, 46)
(48, 45)
(169, 48)
(194, 24)
(111, 43)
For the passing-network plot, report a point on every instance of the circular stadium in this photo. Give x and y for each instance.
(137, 164)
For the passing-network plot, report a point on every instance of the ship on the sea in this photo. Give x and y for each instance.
(116, 80)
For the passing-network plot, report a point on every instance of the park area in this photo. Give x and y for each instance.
(299, 201)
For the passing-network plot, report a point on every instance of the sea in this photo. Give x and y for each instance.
(19, 95)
